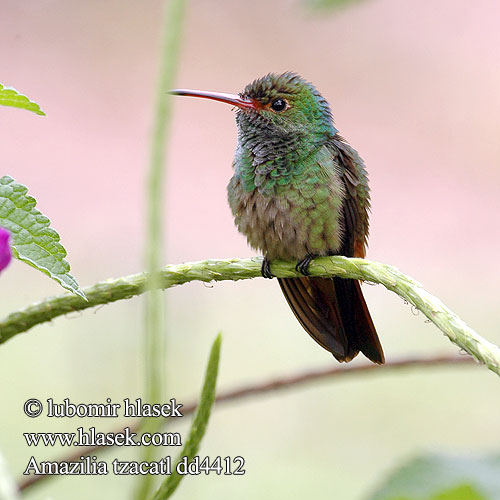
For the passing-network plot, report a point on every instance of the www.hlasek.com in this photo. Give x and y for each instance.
(92, 439)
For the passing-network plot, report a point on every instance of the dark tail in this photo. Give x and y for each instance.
(334, 313)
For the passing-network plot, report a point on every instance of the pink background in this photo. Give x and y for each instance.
(413, 86)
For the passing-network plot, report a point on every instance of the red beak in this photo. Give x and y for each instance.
(235, 100)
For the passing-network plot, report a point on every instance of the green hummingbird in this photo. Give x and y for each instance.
(300, 191)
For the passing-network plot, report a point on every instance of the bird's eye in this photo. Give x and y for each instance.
(279, 105)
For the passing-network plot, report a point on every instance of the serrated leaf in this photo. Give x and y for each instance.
(199, 425)
(33, 241)
(442, 477)
(11, 97)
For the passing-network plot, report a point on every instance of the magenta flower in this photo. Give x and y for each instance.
(5, 255)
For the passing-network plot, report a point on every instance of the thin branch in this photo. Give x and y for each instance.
(237, 269)
(335, 372)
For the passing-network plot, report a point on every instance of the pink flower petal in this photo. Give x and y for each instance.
(5, 254)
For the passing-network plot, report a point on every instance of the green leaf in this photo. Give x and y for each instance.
(329, 4)
(199, 425)
(33, 241)
(11, 97)
(442, 477)
(466, 492)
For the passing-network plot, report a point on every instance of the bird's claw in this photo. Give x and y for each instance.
(266, 269)
(303, 265)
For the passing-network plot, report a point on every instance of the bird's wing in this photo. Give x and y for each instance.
(357, 199)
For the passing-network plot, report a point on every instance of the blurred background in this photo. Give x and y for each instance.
(413, 87)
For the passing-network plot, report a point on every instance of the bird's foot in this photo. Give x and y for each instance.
(266, 269)
(303, 265)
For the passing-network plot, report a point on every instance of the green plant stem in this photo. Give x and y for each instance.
(155, 353)
(237, 269)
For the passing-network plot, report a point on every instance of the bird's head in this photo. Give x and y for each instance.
(282, 109)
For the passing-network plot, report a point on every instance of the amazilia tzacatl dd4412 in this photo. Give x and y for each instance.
(300, 191)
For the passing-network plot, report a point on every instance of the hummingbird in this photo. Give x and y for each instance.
(300, 191)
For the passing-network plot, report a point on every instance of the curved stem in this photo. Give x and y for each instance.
(236, 269)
